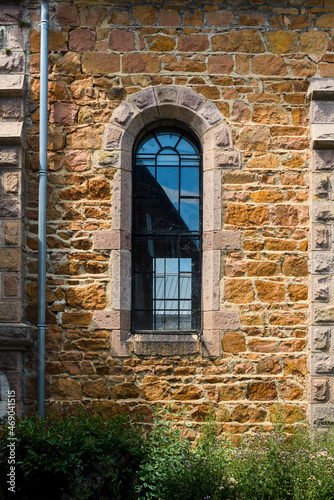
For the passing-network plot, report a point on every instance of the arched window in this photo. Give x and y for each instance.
(167, 220)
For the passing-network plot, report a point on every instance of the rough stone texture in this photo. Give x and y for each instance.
(11, 132)
(164, 345)
(239, 80)
(321, 93)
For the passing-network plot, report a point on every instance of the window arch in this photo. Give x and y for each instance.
(166, 104)
(166, 232)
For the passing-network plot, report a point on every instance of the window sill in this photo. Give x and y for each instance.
(166, 344)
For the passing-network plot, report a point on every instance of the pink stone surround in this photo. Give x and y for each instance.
(321, 343)
(207, 123)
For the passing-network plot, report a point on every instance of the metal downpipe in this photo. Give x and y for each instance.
(43, 130)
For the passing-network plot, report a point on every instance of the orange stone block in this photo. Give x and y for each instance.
(269, 65)
(282, 42)
(239, 291)
(233, 342)
(249, 41)
(141, 63)
(100, 63)
(163, 43)
(297, 292)
(89, 297)
(261, 391)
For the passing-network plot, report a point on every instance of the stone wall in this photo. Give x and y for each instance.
(254, 63)
(321, 359)
(14, 333)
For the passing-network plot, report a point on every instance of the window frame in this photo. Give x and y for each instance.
(203, 117)
(155, 126)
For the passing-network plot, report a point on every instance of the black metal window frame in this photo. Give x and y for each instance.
(155, 128)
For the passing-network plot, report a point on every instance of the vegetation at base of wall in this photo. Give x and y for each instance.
(96, 457)
(79, 457)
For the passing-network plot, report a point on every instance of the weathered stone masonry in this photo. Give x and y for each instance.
(252, 64)
(321, 359)
(14, 333)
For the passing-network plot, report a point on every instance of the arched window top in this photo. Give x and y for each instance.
(167, 139)
(167, 232)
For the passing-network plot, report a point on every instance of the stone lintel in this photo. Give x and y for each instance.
(11, 132)
(12, 85)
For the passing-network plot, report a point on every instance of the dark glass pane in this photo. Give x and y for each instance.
(189, 212)
(167, 284)
(142, 320)
(144, 253)
(144, 181)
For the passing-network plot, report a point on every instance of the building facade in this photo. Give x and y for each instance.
(251, 86)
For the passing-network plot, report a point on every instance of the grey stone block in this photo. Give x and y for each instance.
(12, 85)
(322, 136)
(11, 132)
(322, 364)
(323, 414)
(164, 345)
(322, 111)
(323, 160)
(15, 336)
(321, 88)
(320, 338)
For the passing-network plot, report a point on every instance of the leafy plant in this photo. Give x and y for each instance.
(59, 455)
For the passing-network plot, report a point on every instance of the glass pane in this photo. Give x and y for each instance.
(168, 157)
(190, 161)
(186, 147)
(167, 282)
(145, 161)
(144, 253)
(189, 181)
(189, 211)
(142, 320)
(148, 145)
(168, 178)
(142, 291)
(185, 286)
(185, 265)
(168, 138)
(145, 220)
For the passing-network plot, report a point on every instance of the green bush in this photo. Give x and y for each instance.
(176, 470)
(79, 457)
(95, 457)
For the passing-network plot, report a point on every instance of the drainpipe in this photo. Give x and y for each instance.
(43, 130)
